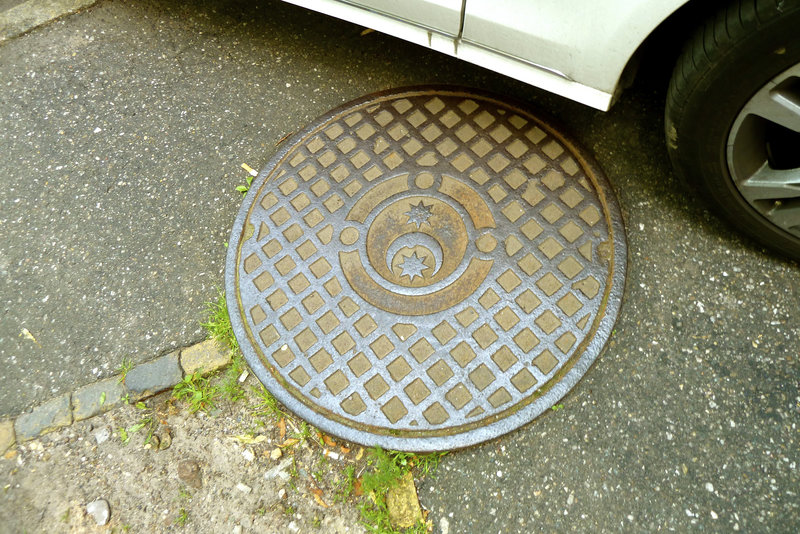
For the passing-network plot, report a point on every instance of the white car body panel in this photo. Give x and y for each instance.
(440, 15)
(588, 41)
(575, 48)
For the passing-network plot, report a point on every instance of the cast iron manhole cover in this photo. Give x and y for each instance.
(425, 269)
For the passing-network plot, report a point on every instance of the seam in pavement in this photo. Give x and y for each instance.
(31, 14)
(142, 381)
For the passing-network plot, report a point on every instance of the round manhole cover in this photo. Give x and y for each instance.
(425, 269)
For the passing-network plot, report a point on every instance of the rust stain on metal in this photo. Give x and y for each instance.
(425, 269)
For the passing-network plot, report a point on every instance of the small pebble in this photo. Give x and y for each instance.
(99, 510)
(189, 473)
(166, 441)
(102, 434)
(282, 493)
(275, 454)
(248, 455)
(244, 488)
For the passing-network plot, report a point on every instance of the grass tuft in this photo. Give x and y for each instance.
(218, 324)
(197, 391)
(387, 469)
(268, 405)
(231, 387)
(125, 366)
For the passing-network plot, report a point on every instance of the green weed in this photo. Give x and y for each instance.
(303, 433)
(125, 434)
(197, 391)
(231, 388)
(183, 516)
(346, 485)
(124, 368)
(243, 189)
(267, 406)
(387, 469)
(218, 325)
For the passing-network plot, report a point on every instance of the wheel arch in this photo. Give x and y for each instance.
(657, 53)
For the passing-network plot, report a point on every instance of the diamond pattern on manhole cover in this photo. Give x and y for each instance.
(425, 269)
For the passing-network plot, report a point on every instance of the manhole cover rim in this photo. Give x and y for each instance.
(594, 345)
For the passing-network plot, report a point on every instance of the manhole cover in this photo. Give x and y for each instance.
(425, 269)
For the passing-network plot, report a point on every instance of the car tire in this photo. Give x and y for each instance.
(732, 118)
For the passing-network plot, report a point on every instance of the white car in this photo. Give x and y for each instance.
(733, 106)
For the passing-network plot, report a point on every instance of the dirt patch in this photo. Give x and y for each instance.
(162, 468)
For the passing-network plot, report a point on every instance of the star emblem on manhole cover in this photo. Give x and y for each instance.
(419, 214)
(412, 266)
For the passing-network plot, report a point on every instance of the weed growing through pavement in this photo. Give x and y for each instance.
(231, 387)
(303, 433)
(125, 366)
(294, 474)
(197, 391)
(387, 469)
(267, 405)
(148, 422)
(218, 324)
(243, 189)
(183, 515)
(346, 485)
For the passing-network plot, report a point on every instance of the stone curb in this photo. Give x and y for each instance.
(142, 381)
(28, 15)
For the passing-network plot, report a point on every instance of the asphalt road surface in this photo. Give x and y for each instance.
(122, 131)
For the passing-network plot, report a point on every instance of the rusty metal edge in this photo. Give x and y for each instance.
(490, 431)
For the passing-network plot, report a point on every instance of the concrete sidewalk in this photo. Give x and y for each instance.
(20, 16)
(123, 131)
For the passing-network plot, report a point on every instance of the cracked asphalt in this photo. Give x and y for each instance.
(122, 132)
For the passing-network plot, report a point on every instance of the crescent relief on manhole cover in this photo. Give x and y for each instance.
(425, 269)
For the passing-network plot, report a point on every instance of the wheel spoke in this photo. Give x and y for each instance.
(787, 217)
(778, 106)
(771, 184)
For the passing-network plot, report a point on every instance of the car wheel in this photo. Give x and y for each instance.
(733, 118)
